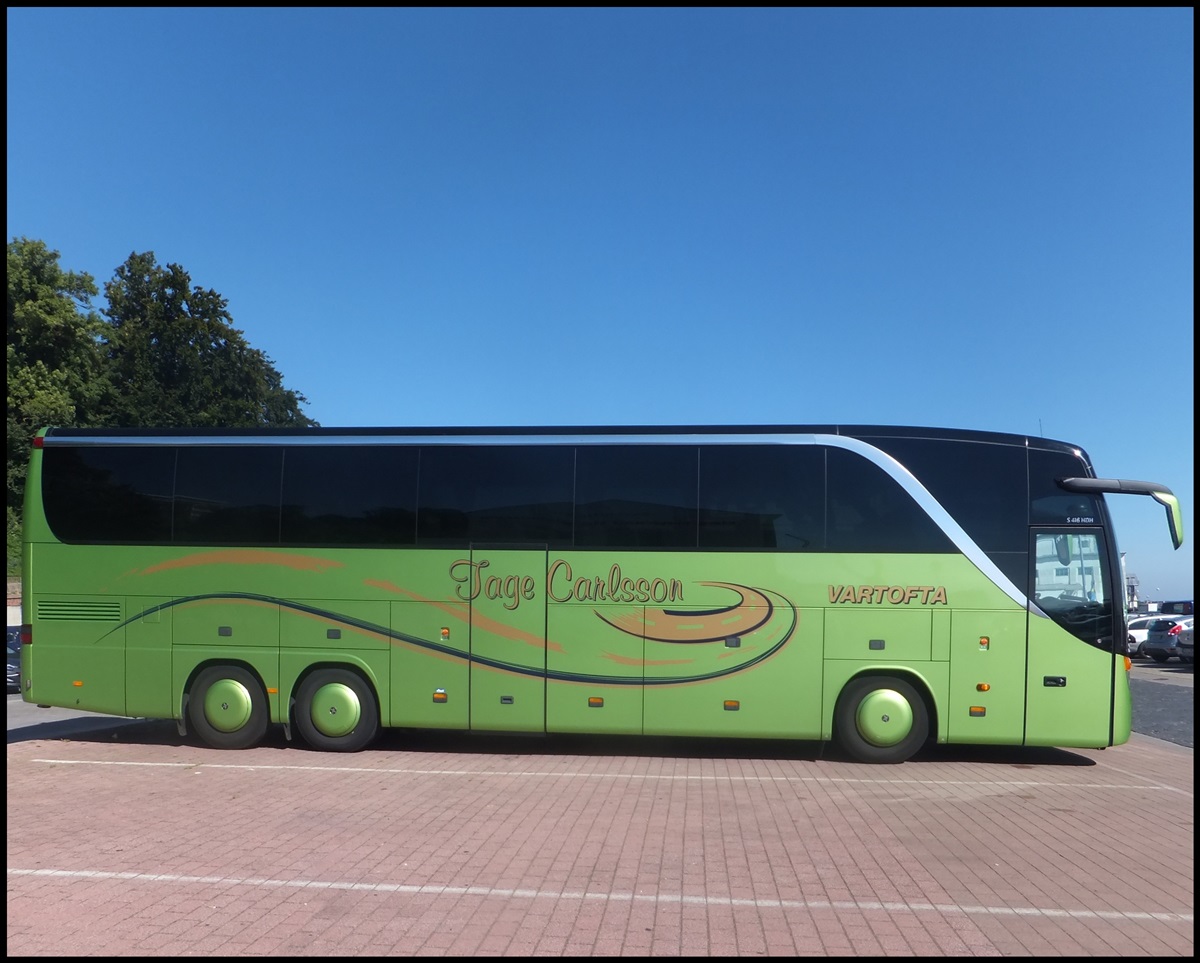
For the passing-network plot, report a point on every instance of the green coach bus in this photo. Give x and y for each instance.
(877, 586)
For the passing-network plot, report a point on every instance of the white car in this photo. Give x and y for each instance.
(1138, 627)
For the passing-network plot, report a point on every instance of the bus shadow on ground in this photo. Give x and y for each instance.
(699, 748)
(99, 729)
(158, 732)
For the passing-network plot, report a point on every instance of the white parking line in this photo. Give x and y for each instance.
(659, 898)
(867, 781)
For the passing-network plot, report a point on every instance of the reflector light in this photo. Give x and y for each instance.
(1128, 663)
(732, 705)
(445, 632)
(983, 687)
(37, 442)
(595, 702)
(984, 642)
(77, 683)
(439, 695)
(27, 634)
(978, 711)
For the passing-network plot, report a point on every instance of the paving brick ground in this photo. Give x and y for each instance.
(131, 842)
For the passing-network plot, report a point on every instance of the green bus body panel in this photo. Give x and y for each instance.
(149, 653)
(421, 669)
(1122, 704)
(895, 635)
(508, 639)
(588, 659)
(87, 668)
(987, 649)
(668, 643)
(1076, 713)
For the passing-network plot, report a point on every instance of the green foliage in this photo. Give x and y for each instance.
(54, 365)
(177, 360)
(163, 354)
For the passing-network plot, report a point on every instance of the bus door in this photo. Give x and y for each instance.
(508, 639)
(1070, 674)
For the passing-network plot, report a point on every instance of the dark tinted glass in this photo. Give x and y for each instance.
(1051, 504)
(983, 486)
(349, 495)
(763, 496)
(503, 493)
(228, 495)
(635, 496)
(870, 512)
(109, 494)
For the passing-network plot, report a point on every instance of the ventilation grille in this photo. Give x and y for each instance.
(77, 611)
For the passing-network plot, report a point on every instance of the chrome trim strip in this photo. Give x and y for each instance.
(271, 440)
(942, 518)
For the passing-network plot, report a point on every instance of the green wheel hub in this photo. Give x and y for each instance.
(228, 705)
(336, 710)
(884, 717)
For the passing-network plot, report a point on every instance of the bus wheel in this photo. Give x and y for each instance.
(336, 709)
(880, 719)
(228, 708)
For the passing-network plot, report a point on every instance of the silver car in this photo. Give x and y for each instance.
(1163, 639)
(1138, 629)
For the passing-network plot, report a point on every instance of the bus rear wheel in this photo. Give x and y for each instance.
(228, 708)
(880, 719)
(336, 710)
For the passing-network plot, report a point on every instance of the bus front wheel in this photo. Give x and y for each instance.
(336, 710)
(228, 708)
(880, 719)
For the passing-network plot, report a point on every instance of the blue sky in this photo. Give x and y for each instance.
(969, 218)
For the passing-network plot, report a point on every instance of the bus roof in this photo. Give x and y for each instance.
(557, 432)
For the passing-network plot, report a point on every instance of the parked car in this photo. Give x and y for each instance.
(13, 647)
(1138, 627)
(1162, 641)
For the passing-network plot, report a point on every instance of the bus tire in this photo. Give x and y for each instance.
(228, 708)
(336, 710)
(880, 719)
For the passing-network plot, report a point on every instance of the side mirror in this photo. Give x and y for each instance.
(1062, 547)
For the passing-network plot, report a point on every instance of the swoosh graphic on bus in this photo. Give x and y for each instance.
(782, 605)
(782, 622)
(463, 613)
(751, 611)
(246, 556)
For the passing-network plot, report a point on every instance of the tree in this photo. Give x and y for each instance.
(176, 360)
(55, 368)
(164, 353)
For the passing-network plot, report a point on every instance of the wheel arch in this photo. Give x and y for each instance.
(913, 676)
